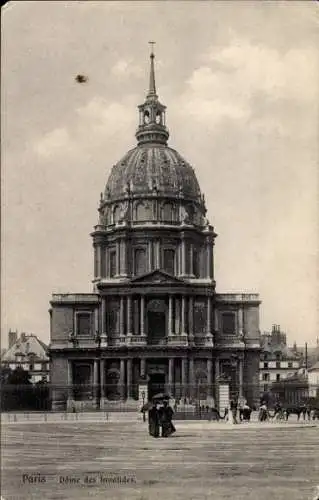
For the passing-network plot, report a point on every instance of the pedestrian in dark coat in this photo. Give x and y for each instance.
(153, 421)
(166, 416)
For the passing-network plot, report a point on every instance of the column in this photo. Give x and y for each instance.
(191, 259)
(157, 254)
(96, 320)
(170, 315)
(129, 315)
(142, 315)
(121, 316)
(191, 378)
(142, 367)
(177, 316)
(183, 315)
(122, 378)
(118, 258)
(102, 378)
(98, 255)
(129, 378)
(103, 318)
(209, 315)
(170, 375)
(123, 258)
(191, 318)
(240, 321)
(209, 376)
(95, 380)
(241, 378)
(208, 260)
(150, 252)
(217, 374)
(216, 319)
(70, 380)
(183, 257)
(184, 378)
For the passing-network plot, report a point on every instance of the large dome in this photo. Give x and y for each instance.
(153, 166)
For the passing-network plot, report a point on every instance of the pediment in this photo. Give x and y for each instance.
(157, 277)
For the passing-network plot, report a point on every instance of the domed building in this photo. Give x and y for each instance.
(154, 322)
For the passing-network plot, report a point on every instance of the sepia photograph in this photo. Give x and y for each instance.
(159, 250)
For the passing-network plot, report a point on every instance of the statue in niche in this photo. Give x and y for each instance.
(184, 216)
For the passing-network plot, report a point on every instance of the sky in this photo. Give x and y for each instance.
(241, 84)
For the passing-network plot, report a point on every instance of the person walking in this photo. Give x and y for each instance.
(154, 421)
(166, 415)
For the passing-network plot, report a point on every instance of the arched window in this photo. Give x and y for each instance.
(139, 261)
(169, 260)
(142, 212)
(116, 214)
(168, 212)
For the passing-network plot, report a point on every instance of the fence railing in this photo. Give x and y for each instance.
(118, 397)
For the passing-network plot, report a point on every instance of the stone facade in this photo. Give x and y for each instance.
(154, 317)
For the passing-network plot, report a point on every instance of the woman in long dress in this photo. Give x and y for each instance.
(153, 421)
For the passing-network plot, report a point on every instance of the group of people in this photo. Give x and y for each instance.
(160, 417)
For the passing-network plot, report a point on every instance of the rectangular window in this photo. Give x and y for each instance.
(266, 376)
(277, 377)
(289, 364)
(112, 263)
(228, 323)
(265, 388)
(83, 324)
(169, 261)
(266, 365)
(277, 364)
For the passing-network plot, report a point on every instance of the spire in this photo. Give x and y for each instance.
(152, 87)
(152, 128)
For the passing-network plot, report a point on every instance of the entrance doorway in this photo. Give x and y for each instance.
(156, 384)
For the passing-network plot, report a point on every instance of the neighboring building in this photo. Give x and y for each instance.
(29, 353)
(293, 390)
(313, 380)
(154, 317)
(277, 360)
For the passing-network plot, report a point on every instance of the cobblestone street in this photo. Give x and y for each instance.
(120, 461)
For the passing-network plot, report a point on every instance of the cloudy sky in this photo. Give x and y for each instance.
(240, 81)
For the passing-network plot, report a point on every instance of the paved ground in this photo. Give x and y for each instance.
(77, 460)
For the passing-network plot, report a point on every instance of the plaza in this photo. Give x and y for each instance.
(204, 460)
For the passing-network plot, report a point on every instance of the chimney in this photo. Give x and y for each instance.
(22, 337)
(12, 338)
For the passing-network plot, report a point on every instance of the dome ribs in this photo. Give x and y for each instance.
(149, 165)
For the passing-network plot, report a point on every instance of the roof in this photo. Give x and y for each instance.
(150, 168)
(27, 346)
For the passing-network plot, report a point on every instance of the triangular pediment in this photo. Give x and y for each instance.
(157, 276)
